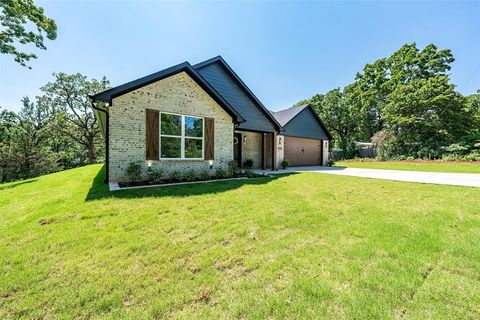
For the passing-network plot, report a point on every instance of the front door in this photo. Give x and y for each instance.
(237, 148)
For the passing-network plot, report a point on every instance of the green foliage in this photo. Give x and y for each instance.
(176, 175)
(404, 103)
(67, 97)
(204, 174)
(220, 173)
(56, 131)
(248, 164)
(285, 164)
(190, 175)
(15, 16)
(155, 174)
(330, 162)
(134, 171)
(233, 169)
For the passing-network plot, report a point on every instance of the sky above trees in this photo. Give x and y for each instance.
(284, 52)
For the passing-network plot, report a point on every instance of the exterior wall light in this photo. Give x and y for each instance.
(210, 162)
(244, 139)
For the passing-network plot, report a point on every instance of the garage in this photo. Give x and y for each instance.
(305, 137)
(302, 151)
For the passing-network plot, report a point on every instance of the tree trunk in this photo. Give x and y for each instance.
(91, 154)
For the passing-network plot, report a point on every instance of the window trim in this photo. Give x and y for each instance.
(182, 137)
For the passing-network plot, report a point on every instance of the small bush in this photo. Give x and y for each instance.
(176, 175)
(249, 173)
(155, 174)
(220, 173)
(134, 171)
(204, 174)
(248, 164)
(190, 175)
(233, 169)
(330, 162)
(285, 164)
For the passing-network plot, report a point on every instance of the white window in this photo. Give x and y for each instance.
(181, 137)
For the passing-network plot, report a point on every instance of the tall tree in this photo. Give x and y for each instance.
(68, 98)
(15, 16)
(341, 118)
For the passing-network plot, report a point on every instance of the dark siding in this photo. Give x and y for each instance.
(305, 125)
(231, 91)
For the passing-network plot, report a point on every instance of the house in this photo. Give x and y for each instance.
(202, 116)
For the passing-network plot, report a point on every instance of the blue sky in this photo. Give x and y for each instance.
(284, 51)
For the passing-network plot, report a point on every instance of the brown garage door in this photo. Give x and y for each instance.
(303, 152)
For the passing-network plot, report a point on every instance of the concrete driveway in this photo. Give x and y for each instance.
(454, 179)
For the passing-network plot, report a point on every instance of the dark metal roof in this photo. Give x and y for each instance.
(108, 95)
(222, 77)
(284, 117)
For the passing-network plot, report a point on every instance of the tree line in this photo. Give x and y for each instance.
(55, 131)
(407, 106)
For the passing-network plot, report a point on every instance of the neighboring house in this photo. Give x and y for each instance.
(202, 116)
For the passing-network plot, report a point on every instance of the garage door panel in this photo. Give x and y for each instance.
(303, 152)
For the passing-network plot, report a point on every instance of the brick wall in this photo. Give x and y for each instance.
(177, 94)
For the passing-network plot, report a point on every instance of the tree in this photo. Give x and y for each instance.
(340, 117)
(15, 15)
(68, 99)
(25, 151)
(425, 114)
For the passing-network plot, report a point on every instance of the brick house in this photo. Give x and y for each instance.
(202, 116)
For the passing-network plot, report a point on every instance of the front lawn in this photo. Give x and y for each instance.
(434, 166)
(298, 246)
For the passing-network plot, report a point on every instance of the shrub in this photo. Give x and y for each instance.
(134, 171)
(190, 175)
(204, 174)
(176, 175)
(285, 164)
(233, 169)
(330, 162)
(248, 164)
(220, 173)
(155, 174)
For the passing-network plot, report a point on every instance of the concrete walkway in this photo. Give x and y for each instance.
(454, 179)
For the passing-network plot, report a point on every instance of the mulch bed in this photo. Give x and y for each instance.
(173, 181)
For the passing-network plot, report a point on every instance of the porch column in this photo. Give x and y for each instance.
(264, 151)
(274, 151)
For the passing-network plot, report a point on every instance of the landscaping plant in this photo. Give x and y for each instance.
(155, 174)
(134, 171)
(176, 175)
(220, 173)
(248, 164)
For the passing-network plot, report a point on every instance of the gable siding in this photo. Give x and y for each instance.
(231, 91)
(305, 125)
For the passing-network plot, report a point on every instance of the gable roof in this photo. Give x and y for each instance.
(222, 77)
(287, 115)
(108, 95)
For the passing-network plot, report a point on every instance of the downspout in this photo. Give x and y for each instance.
(107, 139)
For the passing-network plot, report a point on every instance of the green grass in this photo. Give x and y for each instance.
(435, 166)
(299, 246)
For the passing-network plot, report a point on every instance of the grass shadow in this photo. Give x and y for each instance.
(99, 190)
(16, 184)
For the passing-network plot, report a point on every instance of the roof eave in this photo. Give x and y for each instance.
(108, 95)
